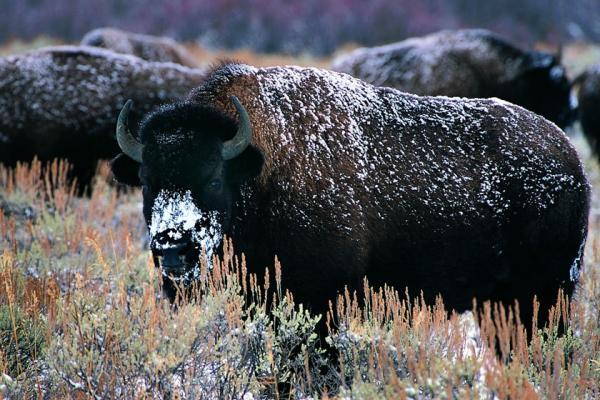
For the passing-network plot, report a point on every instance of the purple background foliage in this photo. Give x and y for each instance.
(316, 26)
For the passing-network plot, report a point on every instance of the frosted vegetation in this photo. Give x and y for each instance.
(81, 316)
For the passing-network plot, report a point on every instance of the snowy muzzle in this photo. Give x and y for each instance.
(180, 231)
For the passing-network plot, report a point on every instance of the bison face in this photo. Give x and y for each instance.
(180, 230)
(191, 163)
(542, 86)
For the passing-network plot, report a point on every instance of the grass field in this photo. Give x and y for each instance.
(81, 315)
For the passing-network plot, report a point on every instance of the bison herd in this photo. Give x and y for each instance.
(62, 101)
(473, 193)
(467, 63)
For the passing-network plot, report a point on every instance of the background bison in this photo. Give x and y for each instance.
(467, 63)
(467, 198)
(589, 106)
(147, 47)
(62, 102)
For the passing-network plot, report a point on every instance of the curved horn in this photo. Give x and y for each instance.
(128, 144)
(235, 146)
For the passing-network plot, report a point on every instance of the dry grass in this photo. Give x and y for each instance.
(577, 56)
(207, 57)
(18, 46)
(203, 56)
(83, 318)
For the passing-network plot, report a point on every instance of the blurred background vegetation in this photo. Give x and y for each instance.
(309, 26)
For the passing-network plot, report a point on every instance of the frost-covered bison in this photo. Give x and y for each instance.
(147, 47)
(341, 179)
(62, 102)
(467, 63)
(589, 106)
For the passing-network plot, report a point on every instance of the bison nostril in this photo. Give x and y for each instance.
(170, 257)
(171, 253)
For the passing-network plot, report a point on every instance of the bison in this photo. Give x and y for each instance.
(467, 63)
(588, 97)
(61, 102)
(147, 47)
(341, 180)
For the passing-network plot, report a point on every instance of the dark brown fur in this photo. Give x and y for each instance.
(464, 198)
(470, 63)
(62, 102)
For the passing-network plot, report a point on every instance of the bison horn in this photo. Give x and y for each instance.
(235, 146)
(127, 142)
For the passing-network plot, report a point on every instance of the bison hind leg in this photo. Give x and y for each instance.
(547, 253)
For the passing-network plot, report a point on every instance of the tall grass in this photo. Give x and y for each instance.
(82, 316)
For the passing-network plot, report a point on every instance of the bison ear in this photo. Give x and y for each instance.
(125, 170)
(247, 165)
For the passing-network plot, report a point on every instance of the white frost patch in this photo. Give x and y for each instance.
(176, 215)
(557, 72)
(474, 347)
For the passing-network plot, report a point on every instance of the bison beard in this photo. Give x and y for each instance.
(181, 232)
(342, 180)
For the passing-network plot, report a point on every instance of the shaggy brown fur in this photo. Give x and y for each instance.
(467, 198)
(466, 63)
(62, 101)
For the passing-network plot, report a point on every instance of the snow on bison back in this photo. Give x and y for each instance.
(341, 179)
(61, 101)
(467, 63)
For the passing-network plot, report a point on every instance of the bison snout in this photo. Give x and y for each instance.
(171, 257)
(171, 253)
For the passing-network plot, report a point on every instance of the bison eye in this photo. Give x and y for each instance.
(215, 184)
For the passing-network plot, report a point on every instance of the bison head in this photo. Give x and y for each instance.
(191, 162)
(542, 86)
